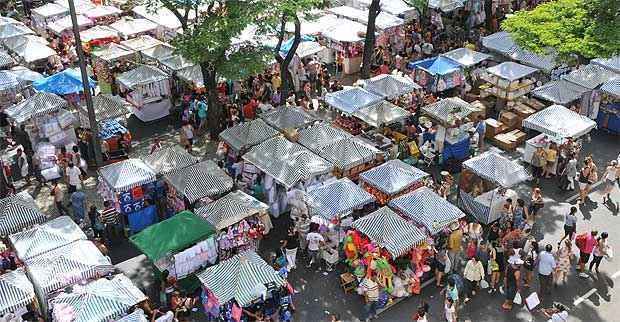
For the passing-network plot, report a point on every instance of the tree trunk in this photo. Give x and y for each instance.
(285, 74)
(214, 115)
(369, 41)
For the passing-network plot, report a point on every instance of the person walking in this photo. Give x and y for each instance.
(315, 241)
(290, 246)
(563, 255)
(546, 266)
(73, 177)
(536, 202)
(473, 274)
(601, 250)
(539, 161)
(610, 177)
(570, 172)
(493, 268)
(110, 218)
(59, 197)
(512, 280)
(442, 267)
(586, 244)
(584, 175)
(95, 223)
(371, 293)
(570, 224)
(78, 205)
(551, 156)
(22, 165)
(187, 136)
(450, 310)
(531, 258)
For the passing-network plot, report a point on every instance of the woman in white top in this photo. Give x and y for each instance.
(450, 310)
(611, 173)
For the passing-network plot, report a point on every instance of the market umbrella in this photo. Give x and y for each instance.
(68, 81)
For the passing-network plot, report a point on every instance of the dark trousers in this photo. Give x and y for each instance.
(470, 287)
(545, 283)
(370, 309)
(72, 189)
(596, 261)
(61, 208)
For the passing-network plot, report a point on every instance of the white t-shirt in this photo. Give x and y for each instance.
(188, 131)
(450, 313)
(74, 175)
(559, 317)
(314, 240)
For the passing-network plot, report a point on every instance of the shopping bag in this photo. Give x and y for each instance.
(532, 301)
(610, 254)
(517, 300)
(484, 284)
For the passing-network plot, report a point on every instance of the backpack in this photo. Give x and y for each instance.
(580, 241)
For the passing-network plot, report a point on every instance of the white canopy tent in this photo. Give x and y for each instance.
(129, 28)
(559, 122)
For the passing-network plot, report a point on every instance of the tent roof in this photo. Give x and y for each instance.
(29, 48)
(158, 52)
(444, 109)
(68, 81)
(500, 42)
(141, 75)
(383, 21)
(65, 23)
(390, 86)
(64, 266)
(176, 62)
(168, 159)
(287, 117)
(427, 208)
(395, 7)
(344, 30)
(287, 162)
(466, 57)
(113, 52)
(612, 87)
(390, 231)
(8, 81)
(107, 107)
(348, 153)
(191, 74)
(81, 6)
(101, 300)
(136, 316)
(245, 135)
(161, 16)
(559, 92)
(560, 122)
(393, 176)
(337, 199)
(590, 76)
(6, 60)
(16, 291)
(103, 11)
(612, 63)
(141, 42)
(124, 175)
(231, 209)
(381, 114)
(38, 104)
(50, 9)
(12, 30)
(436, 65)
(25, 75)
(496, 168)
(172, 235)
(128, 26)
(351, 99)
(97, 32)
(41, 239)
(546, 62)
(236, 278)
(321, 134)
(199, 180)
(511, 70)
(446, 5)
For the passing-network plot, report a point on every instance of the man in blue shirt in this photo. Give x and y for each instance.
(202, 108)
(546, 266)
(78, 204)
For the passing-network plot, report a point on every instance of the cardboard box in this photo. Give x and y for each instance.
(535, 104)
(517, 136)
(509, 141)
(494, 127)
(479, 110)
(522, 110)
(511, 120)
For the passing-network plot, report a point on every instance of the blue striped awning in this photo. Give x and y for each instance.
(393, 176)
(127, 174)
(337, 199)
(496, 168)
(16, 291)
(41, 239)
(18, 212)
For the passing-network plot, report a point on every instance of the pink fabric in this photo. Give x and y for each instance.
(236, 312)
(590, 244)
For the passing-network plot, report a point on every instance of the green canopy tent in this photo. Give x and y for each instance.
(161, 241)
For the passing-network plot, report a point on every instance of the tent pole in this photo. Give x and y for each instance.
(86, 84)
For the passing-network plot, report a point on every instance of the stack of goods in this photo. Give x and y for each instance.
(57, 127)
(240, 237)
(110, 128)
(350, 124)
(190, 260)
(46, 153)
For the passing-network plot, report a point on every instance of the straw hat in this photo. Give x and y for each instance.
(444, 173)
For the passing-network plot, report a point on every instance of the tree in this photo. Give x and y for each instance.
(582, 28)
(369, 41)
(211, 41)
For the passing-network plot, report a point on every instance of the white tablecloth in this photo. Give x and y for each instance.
(152, 111)
(495, 201)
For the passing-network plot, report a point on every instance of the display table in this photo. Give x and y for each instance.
(139, 220)
(495, 202)
(457, 150)
(152, 111)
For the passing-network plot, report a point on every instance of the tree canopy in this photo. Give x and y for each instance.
(586, 28)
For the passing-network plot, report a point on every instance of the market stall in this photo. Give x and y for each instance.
(350, 157)
(451, 138)
(344, 38)
(46, 237)
(337, 200)
(156, 53)
(6, 61)
(103, 300)
(351, 99)
(427, 209)
(251, 275)
(98, 36)
(175, 63)
(286, 118)
(381, 114)
(129, 184)
(192, 76)
(392, 179)
(502, 44)
(437, 74)
(240, 220)
(320, 135)
(18, 212)
(63, 27)
(140, 43)
(245, 135)
(181, 244)
(32, 50)
(169, 24)
(168, 159)
(107, 107)
(109, 61)
(484, 185)
(78, 262)
(388, 252)
(14, 30)
(399, 8)
(69, 81)
(43, 16)
(466, 57)
(103, 15)
(390, 86)
(609, 113)
(507, 81)
(203, 181)
(10, 86)
(130, 28)
(591, 76)
(81, 6)
(148, 90)
(17, 295)
(446, 6)
(559, 92)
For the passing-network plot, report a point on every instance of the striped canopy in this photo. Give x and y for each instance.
(101, 300)
(443, 109)
(466, 57)
(381, 114)
(337, 199)
(136, 316)
(237, 278)
(248, 134)
(612, 63)
(176, 62)
(64, 266)
(41, 239)
(321, 134)
(559, 92)
(496, 168)
(113, 52)
(427, 208)
(348, 153)
(140, 43)
(350, 100)
(141, 75)
(168, 159)
(390, 231)
(107, 107)
(6, 60)
(591, 76)
(17, 212)
(127, 174)
(559, 122)
(204, 179)
(612, 87)
(8, 80)
(231, 209)
(158, 52)
(393, 176)
(390, 86)
(16, 291)
(283, 118)
(38, 104)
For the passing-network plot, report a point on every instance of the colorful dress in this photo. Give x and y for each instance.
(563, 259)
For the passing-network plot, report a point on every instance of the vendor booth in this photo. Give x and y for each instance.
(17, 295)
(286, 118)
(140, 43)
(168, 159)
(337, 200)
(14, 30)
(451, 138)
(350, 157)
(344, 38)
(192, 76)
(320, 135)
(427, 209)
(38, 240)
(98, 36)
(245, 135)
(109, 61)
(240, 220)
(74, 263)
(381, 114)
(609, 113)
(466, 57)
(129, 184)
(253, 278)
(484, 185)
(437, 74)
(32, 50)
(6, 61)
(63, 27)
(48, 13)
(390, 86)
(559, 92)
(103, 300)
(156, 53)
(384, 250)
(18, 212)
(175, 63)
(203, 181)
(10, 86)
(169, 24)
(107, 107)
(182, 245)
(591, 76)
(508, 81)
(351, 99)
(69, 81)
(131, 28)
(103, 15)
(392, 179)
(148, 90)
(81, 6)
